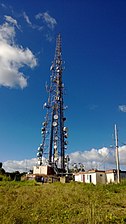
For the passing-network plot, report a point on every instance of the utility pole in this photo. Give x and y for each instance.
(117, 155)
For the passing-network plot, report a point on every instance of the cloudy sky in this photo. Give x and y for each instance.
(94, 54)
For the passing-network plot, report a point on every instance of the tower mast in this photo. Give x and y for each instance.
(54, 133)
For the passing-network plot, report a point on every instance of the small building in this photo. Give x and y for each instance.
(99, 176)
(111, 175)
(79, 177)
(95, 177)
(43, 170)
(91, 176)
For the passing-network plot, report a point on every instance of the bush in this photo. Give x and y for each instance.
(4, 178)
(2, 171)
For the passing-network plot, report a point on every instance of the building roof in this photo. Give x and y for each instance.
(89, 171)
(115, 171)
(96, 171)
(111, 171)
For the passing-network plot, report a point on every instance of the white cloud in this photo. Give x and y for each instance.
(99, 158)
(103, 151)
(103, 158)
(27, 18)
(11, 20)
(3, 5)
(13, 57)
(47, 19)
(49, 37)
(21, 166)
(47, 26)
(122, 155)
(122, 108)
(33, 26)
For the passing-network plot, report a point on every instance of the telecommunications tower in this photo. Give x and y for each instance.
(54, 132)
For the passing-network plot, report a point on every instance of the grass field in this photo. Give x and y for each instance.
(76, 203)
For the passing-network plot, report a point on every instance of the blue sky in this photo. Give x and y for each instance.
(94, 53)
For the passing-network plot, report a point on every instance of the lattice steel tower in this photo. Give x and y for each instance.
(54, 132)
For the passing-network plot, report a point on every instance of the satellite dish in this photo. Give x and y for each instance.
(66, 135)
(52, 67)
(44, 123)
(39, 154)
(56, 138)
(65, 129)
(46, 105)
(57, 98)
(55, 116)
(56, 159)
(54, 124)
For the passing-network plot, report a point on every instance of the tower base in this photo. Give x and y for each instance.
(43, 170)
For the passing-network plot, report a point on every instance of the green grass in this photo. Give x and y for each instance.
(29, 202)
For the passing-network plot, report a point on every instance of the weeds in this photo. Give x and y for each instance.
(74, 203)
